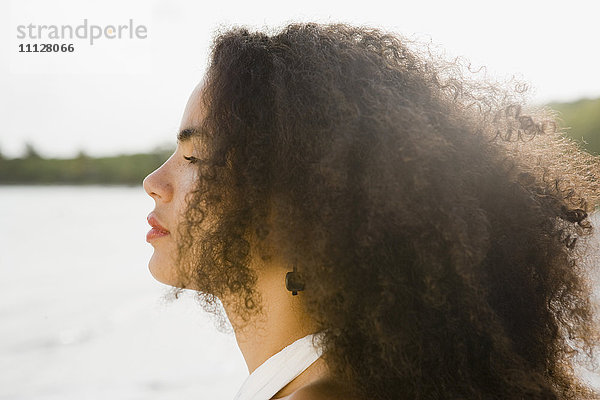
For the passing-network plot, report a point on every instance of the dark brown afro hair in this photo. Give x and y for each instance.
(438, 223)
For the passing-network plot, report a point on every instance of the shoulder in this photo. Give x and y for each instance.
(322, 389)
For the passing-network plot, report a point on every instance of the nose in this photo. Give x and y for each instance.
(158, 186)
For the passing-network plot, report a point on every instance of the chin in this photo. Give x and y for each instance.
(162, 270)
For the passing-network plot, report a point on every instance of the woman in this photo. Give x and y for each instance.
(412, 233)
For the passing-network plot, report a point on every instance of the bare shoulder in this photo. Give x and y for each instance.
(323, 389)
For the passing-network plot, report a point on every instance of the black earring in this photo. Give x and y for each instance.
(293, 282)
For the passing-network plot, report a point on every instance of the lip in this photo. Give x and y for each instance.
(157, 230)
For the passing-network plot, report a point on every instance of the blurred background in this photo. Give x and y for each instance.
(81, 316)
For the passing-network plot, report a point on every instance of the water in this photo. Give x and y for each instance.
(82, 318)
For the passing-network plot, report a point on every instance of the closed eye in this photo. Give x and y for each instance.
(191, 159)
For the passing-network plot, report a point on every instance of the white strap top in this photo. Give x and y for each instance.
(280, 369)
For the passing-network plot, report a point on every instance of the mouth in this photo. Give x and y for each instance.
(157, 230)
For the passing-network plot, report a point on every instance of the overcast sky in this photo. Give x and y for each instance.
(127, 95)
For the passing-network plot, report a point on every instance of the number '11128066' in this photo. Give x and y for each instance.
(46, 48)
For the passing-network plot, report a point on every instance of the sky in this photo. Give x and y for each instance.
(127, 95)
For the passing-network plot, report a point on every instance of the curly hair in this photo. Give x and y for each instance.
(437, 221)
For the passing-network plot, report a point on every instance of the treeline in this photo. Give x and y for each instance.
(582, 118)
(83, 170)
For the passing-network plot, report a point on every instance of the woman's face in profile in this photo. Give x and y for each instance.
(168, 186)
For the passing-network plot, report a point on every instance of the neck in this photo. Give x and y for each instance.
(282, 322)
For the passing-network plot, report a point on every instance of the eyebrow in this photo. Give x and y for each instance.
(186, 134)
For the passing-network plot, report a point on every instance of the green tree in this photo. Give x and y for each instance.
(581, 120)
(30, 151)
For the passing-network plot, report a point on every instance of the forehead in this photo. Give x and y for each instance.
(192, 115)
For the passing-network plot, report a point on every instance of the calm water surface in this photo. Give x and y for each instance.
(82, 318)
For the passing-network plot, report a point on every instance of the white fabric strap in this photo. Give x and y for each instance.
(280, 369)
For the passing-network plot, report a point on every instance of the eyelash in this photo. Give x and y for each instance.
(191, 159)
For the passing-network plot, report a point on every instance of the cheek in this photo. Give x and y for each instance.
(186, 184)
